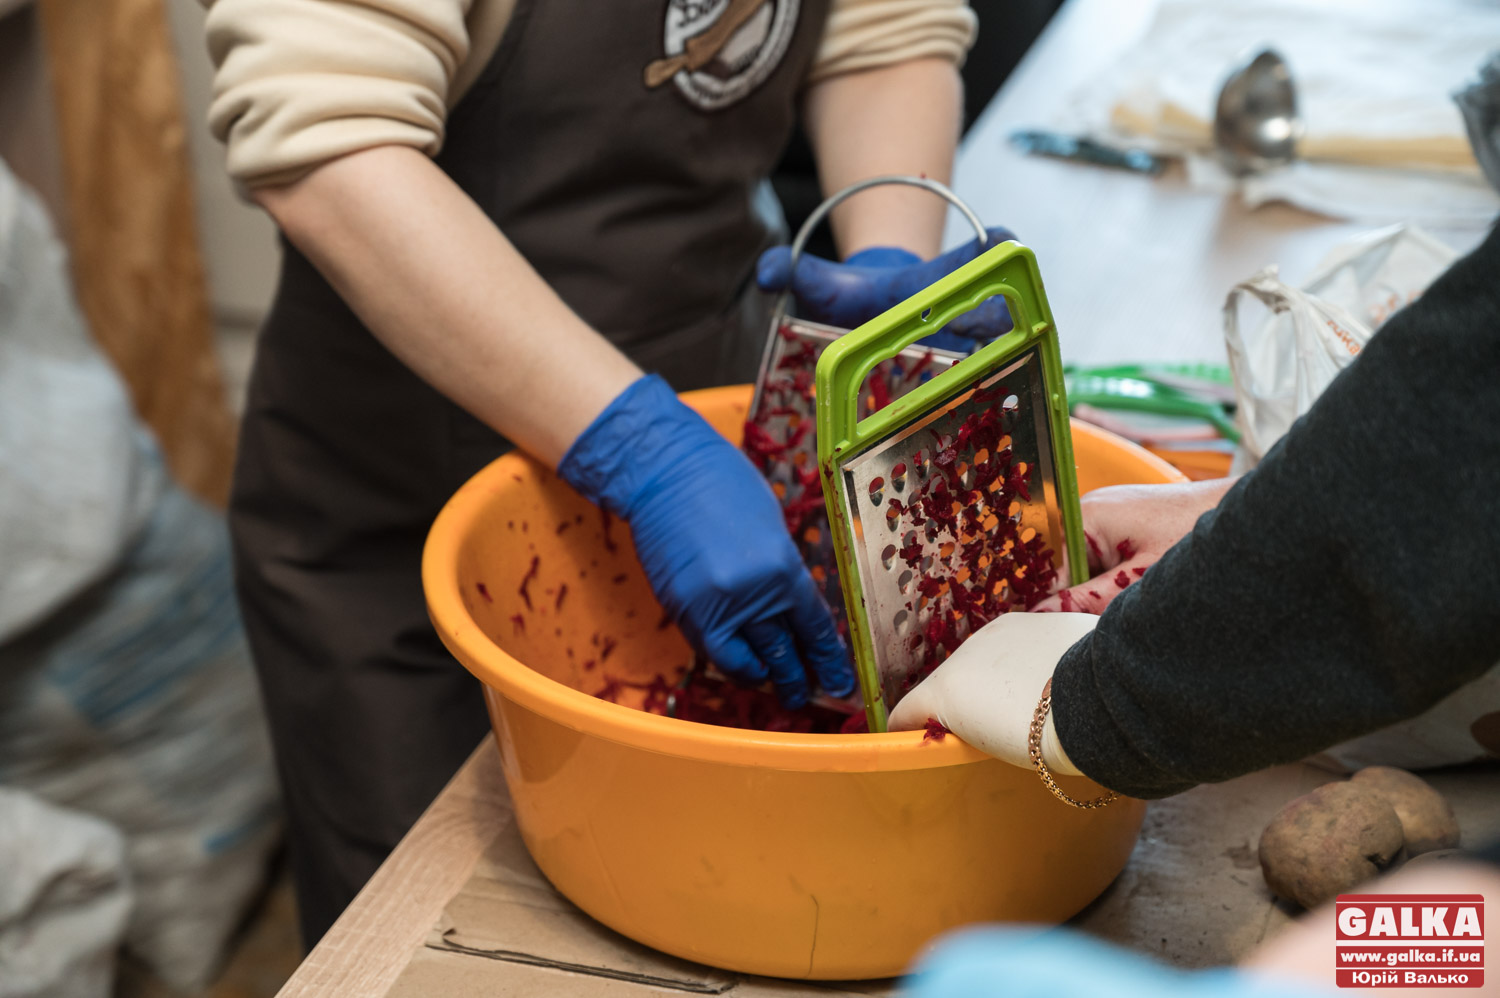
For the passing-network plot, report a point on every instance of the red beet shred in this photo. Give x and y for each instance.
(726, 705)
(536, 563)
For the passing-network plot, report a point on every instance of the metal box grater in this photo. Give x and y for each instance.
(958, 501)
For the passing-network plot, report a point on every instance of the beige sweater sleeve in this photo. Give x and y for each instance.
(868, 34)
(301, 82)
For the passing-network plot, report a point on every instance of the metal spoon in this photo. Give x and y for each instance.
(1256, 125)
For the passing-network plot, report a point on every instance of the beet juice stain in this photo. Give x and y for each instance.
(536, 563)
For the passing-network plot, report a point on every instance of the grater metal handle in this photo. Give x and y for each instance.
(799, 243)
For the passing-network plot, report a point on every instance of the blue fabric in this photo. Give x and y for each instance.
(851, 293)
(1057, 963)
(711, 537)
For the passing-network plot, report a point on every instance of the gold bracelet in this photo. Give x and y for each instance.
(1034, 744)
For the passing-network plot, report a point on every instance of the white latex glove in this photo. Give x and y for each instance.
(987, 691)
(1128, 528)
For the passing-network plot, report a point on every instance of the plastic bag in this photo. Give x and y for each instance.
(126, 690)
(76, 477)
(1314, 333)
(1280, 370)
(64, 900)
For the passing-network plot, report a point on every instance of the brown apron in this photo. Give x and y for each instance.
(627, 177)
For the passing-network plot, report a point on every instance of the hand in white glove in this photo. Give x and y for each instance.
(1129, 527)
(987, 691)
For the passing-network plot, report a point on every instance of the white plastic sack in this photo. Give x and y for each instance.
(64, 900)
(1282, 366)
(136, 703)
(126, 690)
(76, 477)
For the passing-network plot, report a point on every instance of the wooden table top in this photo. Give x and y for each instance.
(366, 949)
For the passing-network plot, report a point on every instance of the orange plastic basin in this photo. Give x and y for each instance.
(808, 856)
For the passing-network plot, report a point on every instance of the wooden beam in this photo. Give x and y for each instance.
(131, 224)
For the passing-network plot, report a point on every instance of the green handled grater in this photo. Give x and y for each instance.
(958, 501)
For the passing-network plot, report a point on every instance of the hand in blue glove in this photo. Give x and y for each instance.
(711, 537)
(869, 282)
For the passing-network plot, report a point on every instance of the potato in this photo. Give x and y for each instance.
(1437, 857)
(1325, 842)
(1426, 819)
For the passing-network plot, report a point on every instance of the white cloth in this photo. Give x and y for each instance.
(1369, 195)
(64, 900)
(1384, 141)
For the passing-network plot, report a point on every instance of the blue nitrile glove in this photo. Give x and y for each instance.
(869, 282)
(1060, 963)
(712, 539)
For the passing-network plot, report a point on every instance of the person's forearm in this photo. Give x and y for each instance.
(898, 119)
(446, 292)
(1346, 584)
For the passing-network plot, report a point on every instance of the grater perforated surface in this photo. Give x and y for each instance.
(954, 517)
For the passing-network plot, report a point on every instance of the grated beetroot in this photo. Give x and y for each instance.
(484, 591)
(936, 731)
(987, 563)
(724, 704)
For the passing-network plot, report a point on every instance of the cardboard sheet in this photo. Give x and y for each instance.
(509, 932)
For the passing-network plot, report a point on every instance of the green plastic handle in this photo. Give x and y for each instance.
(1008, 269)
(1149, 397)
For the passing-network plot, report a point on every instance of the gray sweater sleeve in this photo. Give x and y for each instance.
(1351, 581)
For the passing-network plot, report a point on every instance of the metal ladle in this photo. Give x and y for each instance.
(1256, 124)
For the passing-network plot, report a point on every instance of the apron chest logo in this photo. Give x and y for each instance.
(718, 51)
